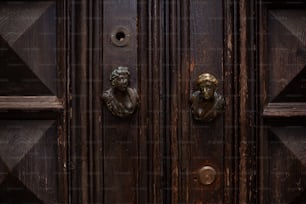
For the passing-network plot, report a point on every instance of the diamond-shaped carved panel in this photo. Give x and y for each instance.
(27, 48)
(287, 149)
(28, 154)
(12, 191)
(287, 55)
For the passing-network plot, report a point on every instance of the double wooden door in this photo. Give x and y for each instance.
(60, 144)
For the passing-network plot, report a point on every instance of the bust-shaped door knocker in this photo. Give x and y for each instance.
(206, 103)
(121, 100)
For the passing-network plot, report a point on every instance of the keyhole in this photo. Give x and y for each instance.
(120, 36)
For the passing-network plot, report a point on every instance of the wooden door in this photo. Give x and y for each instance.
(155, 154)
(282, 82)
(60, 143)
(32, 103)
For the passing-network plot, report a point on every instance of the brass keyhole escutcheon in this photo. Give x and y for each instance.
(207, 175)
(120, 36)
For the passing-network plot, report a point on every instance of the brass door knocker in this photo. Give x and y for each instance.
(121, 100)
(206, 103)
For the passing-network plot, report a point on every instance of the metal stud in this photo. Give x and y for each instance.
(207, 175)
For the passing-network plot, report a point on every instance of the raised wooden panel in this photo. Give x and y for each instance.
(28, 154)
(287, 55)
(28, 48)
(13, 191)
(283, 100)
(287, 164)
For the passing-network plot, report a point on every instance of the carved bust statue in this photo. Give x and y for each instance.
(206, 103)
(121, 100)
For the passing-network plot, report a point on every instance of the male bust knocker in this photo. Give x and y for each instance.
(207, 104)
(121, 100)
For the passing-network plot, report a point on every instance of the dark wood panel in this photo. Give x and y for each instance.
(95, 91)
(28, 41)
(281, 79)
(287, 164)
(286, 42)
(120, 136)
(178, 89)
(78, 163)
(247, 95)
(29, 150)
(206, 139)
(151, 120)
(35, 153)
(231, 95)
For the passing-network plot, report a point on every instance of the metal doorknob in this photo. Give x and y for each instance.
(206, 103)
(207, 175)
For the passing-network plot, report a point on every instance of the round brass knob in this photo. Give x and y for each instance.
(207, 175)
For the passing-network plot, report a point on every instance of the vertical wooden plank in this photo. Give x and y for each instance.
(96, 144)
(195, 43)
(156, 109)
(248, 106)
(120, 136)
(231, 100)
(151, 138)
(79, 121)
(243, 178)
(62, 72)
(263, 195)
(173, 101)
(184, 142)
(143, 156)
(206, 138)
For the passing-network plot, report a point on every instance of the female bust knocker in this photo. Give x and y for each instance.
(121, 100)
(206, 103)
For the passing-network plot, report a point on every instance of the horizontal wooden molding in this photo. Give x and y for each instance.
(284, 110)
(30, 102)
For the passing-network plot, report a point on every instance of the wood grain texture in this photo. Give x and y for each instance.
(231, 84)
(120, 136)
(34, 35)
(287, 164)
(95, 73)
(179, 89)
(28, 41)
(195, 46)
(123, 162)
(30, 103)
(29, 150)
(155, 120)
(281, 100)
(286, 42)
(247, 102)
(206, 139)
(284, 110)
(79, 103)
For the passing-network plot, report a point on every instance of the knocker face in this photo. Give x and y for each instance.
(120, 78)
(207, 104)
(122, 82)
(207, 89)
